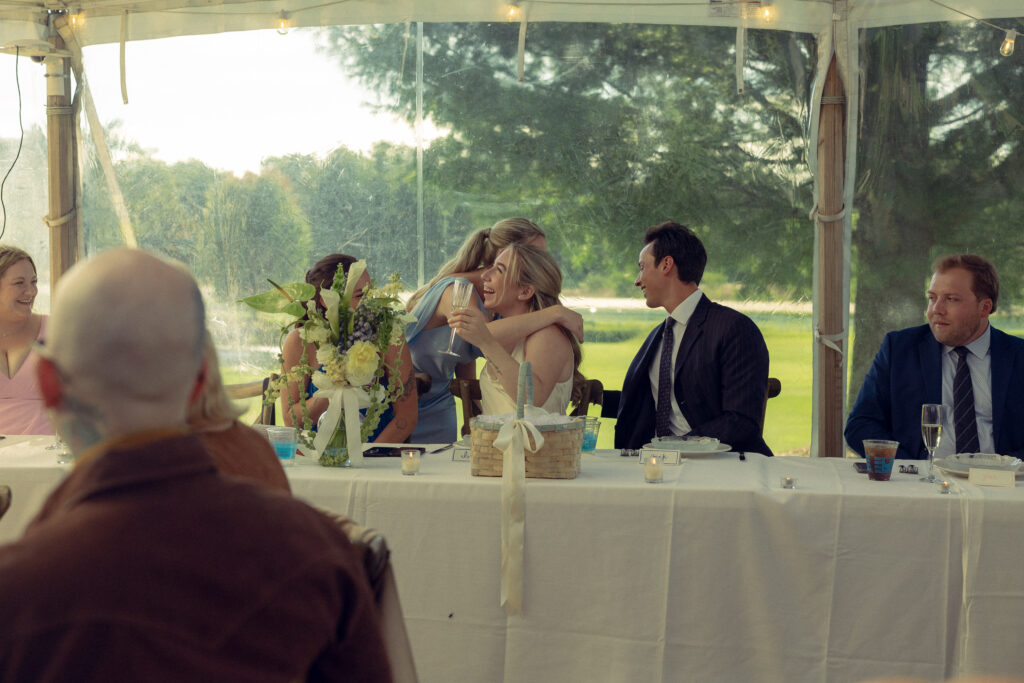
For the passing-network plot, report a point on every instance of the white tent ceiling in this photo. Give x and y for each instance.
(24, 22)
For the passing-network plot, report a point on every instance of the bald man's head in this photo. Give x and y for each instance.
(126, 336)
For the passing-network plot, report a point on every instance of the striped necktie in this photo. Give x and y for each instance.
(965, 424)
(663, 411)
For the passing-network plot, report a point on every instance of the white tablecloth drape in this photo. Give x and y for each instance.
(717, 574)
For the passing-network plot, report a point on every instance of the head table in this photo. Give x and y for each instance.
(717, 574)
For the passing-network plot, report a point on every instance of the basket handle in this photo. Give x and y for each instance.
(524, 388)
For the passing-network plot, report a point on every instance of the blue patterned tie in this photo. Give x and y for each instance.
(965, 424)
(663, 412)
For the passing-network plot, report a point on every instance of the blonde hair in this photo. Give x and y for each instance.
(212, 407)
(480, 249)
(530, 266)
(10, 255)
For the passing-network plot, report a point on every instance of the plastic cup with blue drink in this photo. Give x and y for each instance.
(285, 441)
(590, 430)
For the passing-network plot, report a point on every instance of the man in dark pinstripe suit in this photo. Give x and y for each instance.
(718, 359)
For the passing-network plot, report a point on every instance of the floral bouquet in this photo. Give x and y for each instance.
(351, 353)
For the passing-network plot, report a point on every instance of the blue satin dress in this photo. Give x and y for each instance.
(436, 421)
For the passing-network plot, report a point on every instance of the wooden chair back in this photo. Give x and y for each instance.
(591, 393)
(258, 387)
(467, 391)
(774, 389)
(376, 560)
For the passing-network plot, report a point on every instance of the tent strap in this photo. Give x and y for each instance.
(827, 218)
(56, 222)
(124, 39)
(830, 340)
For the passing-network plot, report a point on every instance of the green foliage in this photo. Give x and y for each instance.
(940, 166)
(617, 127)
(257, 221)
(366, 207)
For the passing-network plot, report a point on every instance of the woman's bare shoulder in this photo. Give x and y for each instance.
(546, 340)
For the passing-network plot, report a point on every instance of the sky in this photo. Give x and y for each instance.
(229, 100)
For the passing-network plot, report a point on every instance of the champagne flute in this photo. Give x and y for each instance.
(462, 292)
(932, 417)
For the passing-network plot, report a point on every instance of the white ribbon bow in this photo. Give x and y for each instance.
(342, 399)
(514, 439)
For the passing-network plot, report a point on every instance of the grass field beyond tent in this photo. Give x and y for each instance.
(614, 336)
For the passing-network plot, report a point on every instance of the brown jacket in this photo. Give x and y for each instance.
(147, 565)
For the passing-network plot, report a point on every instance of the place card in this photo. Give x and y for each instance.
(460, 454)
(986, 477)
(671, 457)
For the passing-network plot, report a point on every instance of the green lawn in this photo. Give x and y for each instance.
(615, 336)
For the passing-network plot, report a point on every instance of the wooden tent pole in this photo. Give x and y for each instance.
(62, 220)
(99, 139)
(830, 226)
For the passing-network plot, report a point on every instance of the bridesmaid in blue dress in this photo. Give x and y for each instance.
(431, 305)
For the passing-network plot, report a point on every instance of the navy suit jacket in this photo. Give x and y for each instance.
(908, 372)
(720, 384)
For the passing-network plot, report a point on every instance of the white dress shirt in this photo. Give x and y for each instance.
(681, 316)
(979, 362)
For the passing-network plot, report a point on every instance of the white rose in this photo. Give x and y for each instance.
(361, 363)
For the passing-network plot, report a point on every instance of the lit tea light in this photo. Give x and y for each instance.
(410, 460)
(788, 483)
(654, 470)
(944, 487)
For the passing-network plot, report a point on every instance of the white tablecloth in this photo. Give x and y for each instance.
(718, 574)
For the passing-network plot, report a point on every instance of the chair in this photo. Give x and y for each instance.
(423, 383)
(774, 389)
(5, 499)
(376, 558)
(610, 404)
(468, 391)
(591, 392)
(236, 392)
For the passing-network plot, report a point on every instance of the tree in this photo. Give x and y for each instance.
(364, 206)
(940, 167)
(253, 229)
(616, 127)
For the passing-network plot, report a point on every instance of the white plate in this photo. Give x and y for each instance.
(663, 446)
(686, 444)
(963, 469)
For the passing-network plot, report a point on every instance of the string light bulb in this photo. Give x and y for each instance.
(765, 12)
(1006, 49)
(514, 13)
(283, 23)
(77, 19)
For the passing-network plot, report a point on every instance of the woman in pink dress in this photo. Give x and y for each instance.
(21, 404)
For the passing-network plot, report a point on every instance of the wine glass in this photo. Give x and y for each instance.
(932, 417)
(462, 292)
(63, 452)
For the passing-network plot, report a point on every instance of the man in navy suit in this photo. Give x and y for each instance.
(717, 362)
(918, 365)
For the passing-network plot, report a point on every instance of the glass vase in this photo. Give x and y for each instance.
(336, 452)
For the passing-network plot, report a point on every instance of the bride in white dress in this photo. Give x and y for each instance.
(522, 279)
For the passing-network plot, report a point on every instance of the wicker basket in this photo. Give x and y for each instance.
(558, 458)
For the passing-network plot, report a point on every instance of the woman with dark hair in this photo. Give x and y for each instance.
(432, 306)
(21, 403)
(398, 421)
